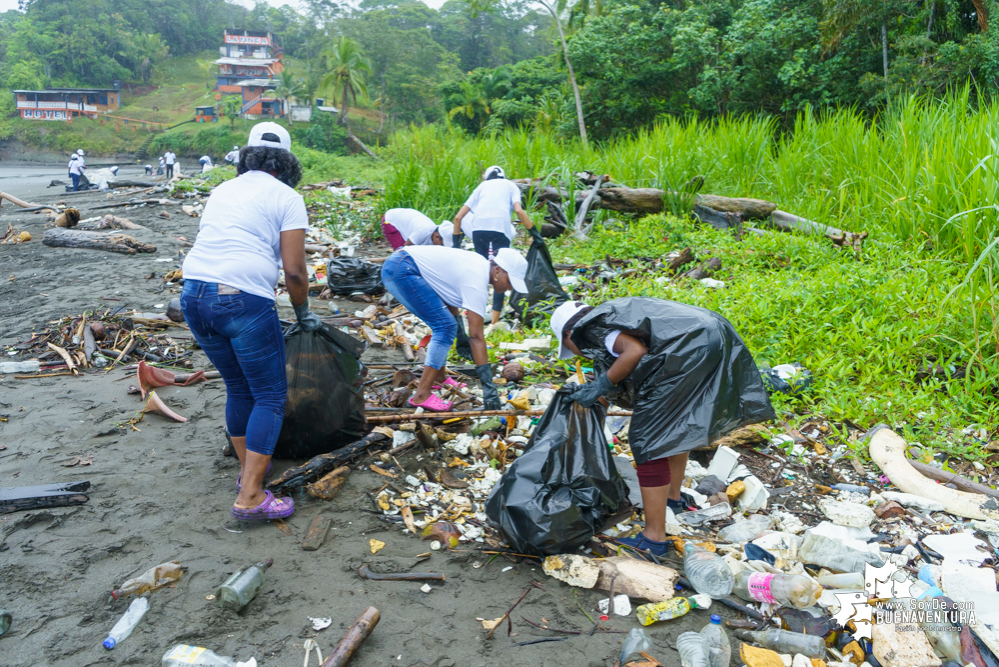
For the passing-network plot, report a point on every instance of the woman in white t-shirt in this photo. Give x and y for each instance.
(250, 227)
(493, 203)
(407, 226)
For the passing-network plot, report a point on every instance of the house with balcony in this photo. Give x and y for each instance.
(250, 59)
(66, 103)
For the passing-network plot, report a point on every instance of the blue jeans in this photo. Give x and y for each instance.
(488, 243)
(402, 278)
(242, 337)
(76, 181)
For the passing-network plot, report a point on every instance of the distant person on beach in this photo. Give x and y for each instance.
(149, 170)
(76, 171)
(170, 158)
(252, 226)
(79, 157)
(232, 156)
(206, 164)
(493, 202)
(160, 169)
(407, 226)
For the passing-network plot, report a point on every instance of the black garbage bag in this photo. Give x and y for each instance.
(346, 276)
(697, 382)
(325, 408)
(565, 486)
(791, 379)
(544, 293)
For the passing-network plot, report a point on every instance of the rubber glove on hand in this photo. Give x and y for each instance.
(307, 319)
(588, 394)
(462, 345)
(490, 397)
(536, 234)
(456, 240)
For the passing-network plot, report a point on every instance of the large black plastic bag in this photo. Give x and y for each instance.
(565, 486)
(325, 408)
(346, 276)
(697, 382)
(544, 293)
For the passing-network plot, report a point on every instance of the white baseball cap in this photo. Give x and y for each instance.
(494, 171)
(562, 315)
(235, 148)
(446, 230)
(515, 265)
(269, 134)
(79, 152)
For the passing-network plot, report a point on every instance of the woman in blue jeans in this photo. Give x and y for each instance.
(433, 282)
(250, 227)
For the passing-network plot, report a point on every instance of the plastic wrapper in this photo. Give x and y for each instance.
(544, 293)
(346, 276)
(325, 408)
(565, 486)
(788, 379)
(697, 382)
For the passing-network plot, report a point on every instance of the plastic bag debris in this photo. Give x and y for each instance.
(564, 488)
(325, 407)
(544, 291)
(635, 642)
(346, 276)
(786, 378)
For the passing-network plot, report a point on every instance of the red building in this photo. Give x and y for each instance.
(66, 103)
(250, 61)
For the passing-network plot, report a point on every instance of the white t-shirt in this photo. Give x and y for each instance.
(75, 167)
(239, 242)
(232, 156)
(79, 158)
(411, 224)
(205, 160)
(492, 203)
(170, 157)
(460, 277)
(609, 341)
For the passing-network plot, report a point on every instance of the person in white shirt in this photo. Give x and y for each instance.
(162, 167)
(232, 157)
(433, 283)
(251, 226)
(493, 203)
(76, 171)
(149, 170)
(170, 159)
(83, 162)
(407, 226)
(206, 164)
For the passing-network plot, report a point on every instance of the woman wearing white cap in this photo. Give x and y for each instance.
(493, 203)
(684, 371)
(251, 226)
(407, 226)
(433, 282)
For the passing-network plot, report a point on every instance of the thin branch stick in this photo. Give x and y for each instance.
(508, 611)
(468, 414)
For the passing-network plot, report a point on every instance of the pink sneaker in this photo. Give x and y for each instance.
(448, 383)
(433, 404)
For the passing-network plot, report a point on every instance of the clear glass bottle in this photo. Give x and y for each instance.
(707, 572)
(237, 591)
(782, 641)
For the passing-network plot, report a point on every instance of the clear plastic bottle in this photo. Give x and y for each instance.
(698, 517)
(151, 579)
(849, 581)
(707, 572)
(716, 642)
(237, 591)
(29, 366)
(790, 590)
(692, 649)
(188, 656)
(744, 531)
(782, 641)
(123, 628)
(635, 642)
(834, 555)
(670, 609)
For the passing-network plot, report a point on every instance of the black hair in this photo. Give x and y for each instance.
(267, 158)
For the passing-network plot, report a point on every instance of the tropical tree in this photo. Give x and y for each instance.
(471, 101)
(147, 51)
(346, 68)
(495, 86)
(288, 88)
(547, 4)
(232, 106)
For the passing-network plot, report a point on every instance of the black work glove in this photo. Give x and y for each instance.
(490, 397)
(462, 345)
(456, 239)
(307, 319)
(536, 234)
(588, 394)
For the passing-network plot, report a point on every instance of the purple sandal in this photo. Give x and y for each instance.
(271, 508)
(239, 477)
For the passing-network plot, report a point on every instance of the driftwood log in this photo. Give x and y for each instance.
(718, 219)
(319, 465)
(794, 223)
(110, 241)
(24, 204)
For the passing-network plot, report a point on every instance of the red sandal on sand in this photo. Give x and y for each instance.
(432, 404)
(448, 383)
(271, 508)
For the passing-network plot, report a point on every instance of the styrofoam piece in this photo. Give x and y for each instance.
(695, 471)
(723, 462)
(912, 500)
(842, 513)
(958, 548)
(542, 344)
(754, 497)
(622, 605)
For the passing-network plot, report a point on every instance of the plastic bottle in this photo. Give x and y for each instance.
(692, 649)
(744, 531)
(670, 609)
(790, 590)
(852, 488)
(810, 621)
(186, 656)
(716, 643)
(707, 572)
(29, 366)
(237, 591)
(123, 628)
(849, 580)
(931, 574)
(713, 513)
(834, 555)
(782, 641)
(150, 580)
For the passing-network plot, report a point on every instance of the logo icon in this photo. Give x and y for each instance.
(880, 583)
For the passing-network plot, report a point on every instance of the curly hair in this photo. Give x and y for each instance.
(267, 158)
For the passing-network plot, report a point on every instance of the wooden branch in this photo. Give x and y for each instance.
(355, 636)
(112, 241)
(471, 414)
(319, 465)
(585, 208)
(65, 356)
(944, 477)
(24, 204)
(407, 349)
(361, 144)
(364, 572)
(751, 209)
(790, 222)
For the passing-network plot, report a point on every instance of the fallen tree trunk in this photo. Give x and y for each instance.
(790, 222)
(319, 465)
(110, 241)
(130, 184)
(718, 219)
(751, 209)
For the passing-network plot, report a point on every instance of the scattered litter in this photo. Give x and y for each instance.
(320, 623)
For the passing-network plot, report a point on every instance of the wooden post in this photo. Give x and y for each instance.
(355, 636)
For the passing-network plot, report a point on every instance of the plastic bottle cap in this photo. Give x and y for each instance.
(109, 643)
(716, 619)
(604, 617)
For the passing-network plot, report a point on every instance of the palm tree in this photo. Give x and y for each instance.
(288, 88)
(147, 51)
(346, 68)
(232, 106)
(495, 85)
(472, 100)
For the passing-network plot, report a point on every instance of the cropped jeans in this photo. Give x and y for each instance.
(402, 278)
(242, 337)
